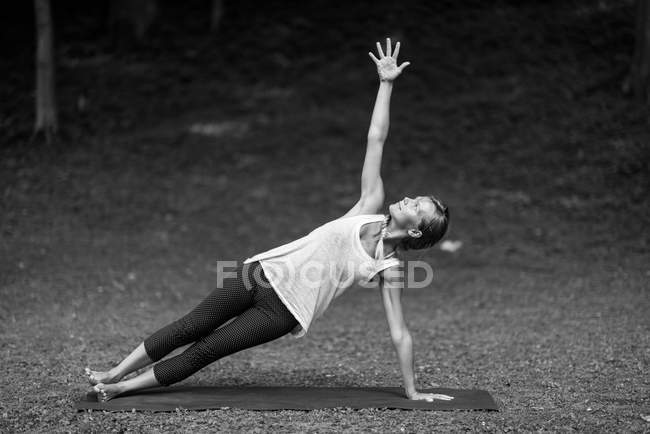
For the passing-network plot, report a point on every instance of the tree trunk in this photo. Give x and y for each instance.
(46, 113)
(215, 15)
(640, 73)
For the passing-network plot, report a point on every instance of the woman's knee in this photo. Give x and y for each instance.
(201, 354)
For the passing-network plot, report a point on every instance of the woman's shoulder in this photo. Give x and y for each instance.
(347, 223)
(364, 223)
(364, 217)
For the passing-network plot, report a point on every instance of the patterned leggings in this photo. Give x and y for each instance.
(260, 317)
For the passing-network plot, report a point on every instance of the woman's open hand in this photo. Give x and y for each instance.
(429, 397)
(387, 63)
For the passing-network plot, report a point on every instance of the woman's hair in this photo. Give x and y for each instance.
(432, 230)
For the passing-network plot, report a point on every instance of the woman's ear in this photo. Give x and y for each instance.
(415, 233)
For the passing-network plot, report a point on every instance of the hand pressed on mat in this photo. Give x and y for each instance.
(429, 397)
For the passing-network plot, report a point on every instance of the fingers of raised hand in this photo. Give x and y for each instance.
(374, 59)
(396, 52)
(403, 65)
(388, 61)
(380, 50)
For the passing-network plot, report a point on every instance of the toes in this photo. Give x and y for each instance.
(91, 377)
(102, 395)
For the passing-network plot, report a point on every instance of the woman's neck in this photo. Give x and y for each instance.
(392, 239)
(390, 244)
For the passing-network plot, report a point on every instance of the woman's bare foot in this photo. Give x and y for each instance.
(96, 377)
(106, 392)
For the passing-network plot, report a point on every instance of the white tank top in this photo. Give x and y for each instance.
(308, 273)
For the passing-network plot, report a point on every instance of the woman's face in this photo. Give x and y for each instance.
(409, 213)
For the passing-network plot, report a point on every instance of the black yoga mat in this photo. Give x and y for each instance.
(284, 398)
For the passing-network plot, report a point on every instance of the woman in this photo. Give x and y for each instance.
(284, 289)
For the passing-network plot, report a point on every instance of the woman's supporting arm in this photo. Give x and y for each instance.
(391, 289)
(372, 187)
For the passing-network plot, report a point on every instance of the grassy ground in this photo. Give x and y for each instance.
(512, 115)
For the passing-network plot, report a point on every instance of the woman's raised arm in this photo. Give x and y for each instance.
(372, 188)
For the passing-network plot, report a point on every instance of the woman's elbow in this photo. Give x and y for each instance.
(400, 336)
(376, 137)
(372, 196)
